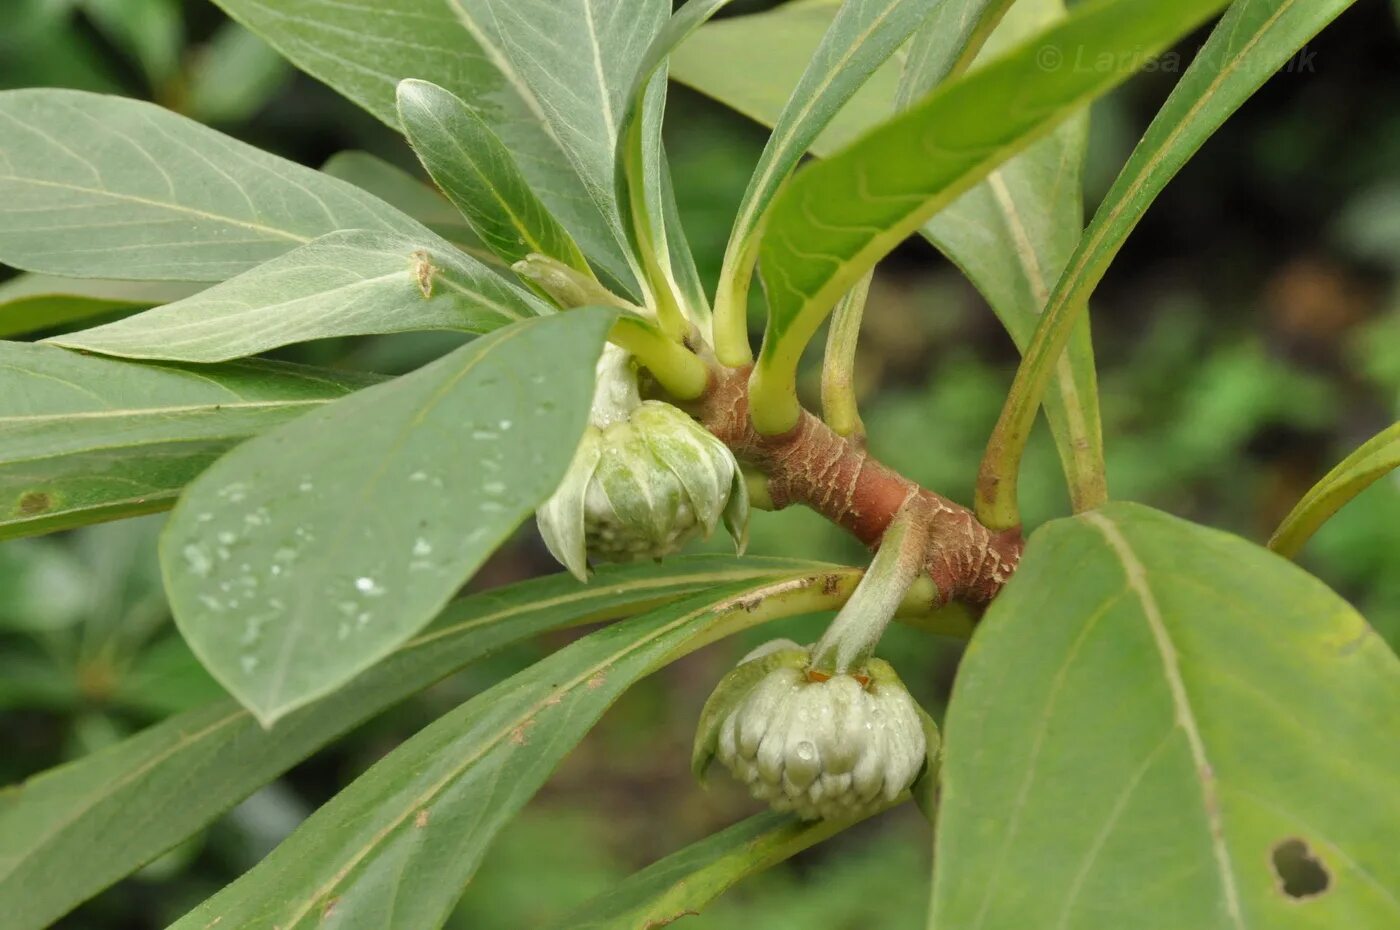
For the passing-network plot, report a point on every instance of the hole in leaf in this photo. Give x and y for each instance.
(1300, 873)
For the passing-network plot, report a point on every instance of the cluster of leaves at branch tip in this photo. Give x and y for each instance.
(646, 480)
(824, 747)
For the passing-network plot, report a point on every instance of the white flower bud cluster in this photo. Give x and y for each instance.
(834, 748)
(646, 480)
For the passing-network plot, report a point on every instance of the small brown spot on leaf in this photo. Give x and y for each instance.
(420, 820)
(328, 909)
(517, 736)
(597, 680)
(831, 584)
(667, 921)
(1299, 871)
(554, 699)
(33, 503)
(423, 271)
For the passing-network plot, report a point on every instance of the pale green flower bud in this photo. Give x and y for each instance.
(832, 748)
(646, 480)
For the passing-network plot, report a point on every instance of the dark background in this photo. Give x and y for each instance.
(1248, 337)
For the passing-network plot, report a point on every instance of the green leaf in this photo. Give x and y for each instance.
(838, 217)
(150, 31)
(1153, 744)
(406, 193)
(862, 36)
(578, 59)
(364, 50)
(752, 63)
(396, 848)
(33, 302)
(642, 182)
(1012, 236)
(104, 187)
(686, 882)
(310, 553)
(1376, 458)
(477, 173)
(70, 832)
(1253, 40)
(944, 47)
(233, 76)
(343, 284)
(84, 439)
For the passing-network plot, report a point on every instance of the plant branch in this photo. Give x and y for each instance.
(810, 464)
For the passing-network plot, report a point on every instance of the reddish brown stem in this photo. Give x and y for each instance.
(836, 477)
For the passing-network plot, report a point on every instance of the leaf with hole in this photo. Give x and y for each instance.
(1143, 746)
(342, 284)
(310, 553)
(84, 439)
(840, 216)
(104, 187)
(69, 832)
(396, 848)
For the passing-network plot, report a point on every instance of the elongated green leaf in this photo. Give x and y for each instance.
(364, 50)
(343, 284)
(947, 43)
(1012, 236)
(862, 36)
(402, 190)
(840, 216)
(33, 302)
(307, 555)
(643, 184)
(685, 882)
(104, 187)
(1195, 733)
(396, 848)
(233, 76)
(1253, 40)
(1376, 458)
(68, 833)
(578, 58)
(752, 63)
(477, 173)
(84, 439)
(150, 31)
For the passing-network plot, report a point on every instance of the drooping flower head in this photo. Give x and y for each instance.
(646, 480)
(822, 747)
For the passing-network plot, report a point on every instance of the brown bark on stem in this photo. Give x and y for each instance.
(836, 477)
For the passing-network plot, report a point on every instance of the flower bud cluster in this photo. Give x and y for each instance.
(646, 480)
(822, 747)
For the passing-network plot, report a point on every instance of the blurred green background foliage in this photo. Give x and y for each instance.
(1248, 337)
